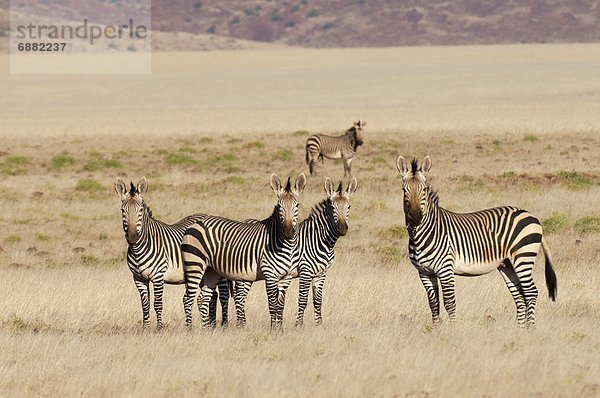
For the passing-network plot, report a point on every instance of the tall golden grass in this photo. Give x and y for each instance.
(503, 125)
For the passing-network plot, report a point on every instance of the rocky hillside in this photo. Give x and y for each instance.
(366, 23)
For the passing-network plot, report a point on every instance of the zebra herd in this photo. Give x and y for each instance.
(215, 256)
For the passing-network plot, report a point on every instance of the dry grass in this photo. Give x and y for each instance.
(70, 316)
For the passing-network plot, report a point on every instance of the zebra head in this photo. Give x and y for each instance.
(415, 188)
(340, 204)
(357, 132)
(132, 207)
(288, 203)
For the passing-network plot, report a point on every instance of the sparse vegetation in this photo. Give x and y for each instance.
(574, 181)
(62, 160)
(102, 164)
(89, 185)
(530, 138)
(284, 154)
(179, 158)
(555, 223)
(588, 224)
(14, 165)
(300, 133)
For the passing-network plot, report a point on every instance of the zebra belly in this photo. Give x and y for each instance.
(174, 276)
(474, 268)
(335, 155)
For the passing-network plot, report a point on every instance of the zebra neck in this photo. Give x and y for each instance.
(427, 225)
(320, 222)
(272, 224)
(140, 247)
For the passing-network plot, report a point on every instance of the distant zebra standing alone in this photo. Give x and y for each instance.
(154, 252)
(245, 251)
(317, 234)
(343, 147)
(443, 244)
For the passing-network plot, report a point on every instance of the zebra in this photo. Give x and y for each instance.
(318, 234)
(154, 253)
(343, 147)
(245, 251)
(443, 244)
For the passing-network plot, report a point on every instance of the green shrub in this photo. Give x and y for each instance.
(13, 239)
(588, 224)
(42, 237)
(507, 174)
(88, 185)
(88, 260)
(62, 160)
(555, 223)
(530, 138)
(102, 164)
(14, 165)
(236, 180)
(574, 181)
(174, 158)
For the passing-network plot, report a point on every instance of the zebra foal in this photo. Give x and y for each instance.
(343, 147)
(245, 251)
(317, 236)
(154, 250)
(443, 244)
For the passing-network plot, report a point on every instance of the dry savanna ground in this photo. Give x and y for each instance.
(524, 133)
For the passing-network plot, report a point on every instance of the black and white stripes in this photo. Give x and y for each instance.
(343, 147)
(245, 251)
(443, 244)
(317, 236)
(154, 252)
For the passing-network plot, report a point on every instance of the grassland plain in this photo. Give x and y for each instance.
(70, 316)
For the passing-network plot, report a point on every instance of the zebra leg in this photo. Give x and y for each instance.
(273, 297)
(143, 289)
(523, 268)
(514, 286)
(303, 289)
(193, 277)
(347, 167)
(313, 167)
(430, 283)
(282, 287)
(317, 287)
(208, 294)
(224, 300)
(240, 294)
(447, 281)
(212, 306)
(158, 302)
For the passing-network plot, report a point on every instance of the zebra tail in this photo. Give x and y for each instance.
(551, 281)
(307, 161)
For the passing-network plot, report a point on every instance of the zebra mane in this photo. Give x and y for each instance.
(434, 196)
(340, 187)
(288, 186)
(319, 208)
(133, 190)
(414, 166)
(147, 209)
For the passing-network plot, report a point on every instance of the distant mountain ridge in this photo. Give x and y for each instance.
(366, 23)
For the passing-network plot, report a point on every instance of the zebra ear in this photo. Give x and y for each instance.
(300, 183)
(363, 124)
(426, 165)
(328, 186)
(352, 187)
(402, 166)
(142, 187)
(276, 184)
(120, 187)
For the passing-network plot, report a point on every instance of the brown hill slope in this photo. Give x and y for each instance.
(364, 23)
